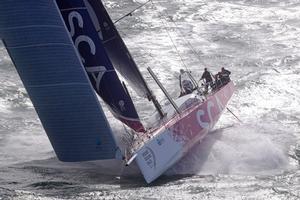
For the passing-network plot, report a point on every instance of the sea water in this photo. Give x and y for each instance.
(257, 40)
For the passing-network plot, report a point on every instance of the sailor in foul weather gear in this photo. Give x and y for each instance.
(186, 85)
(222, 77)
(208, 79)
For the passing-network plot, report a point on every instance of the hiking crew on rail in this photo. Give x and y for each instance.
(220, 79)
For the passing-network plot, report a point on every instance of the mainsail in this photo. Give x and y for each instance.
(52, 73)
(81, 21)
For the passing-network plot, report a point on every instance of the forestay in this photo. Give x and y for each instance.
(46, 60)
(83, 25)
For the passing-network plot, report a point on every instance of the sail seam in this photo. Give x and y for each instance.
(38, 45)
(76, 8)
(30, 26)
(58, 84)
(110, 39)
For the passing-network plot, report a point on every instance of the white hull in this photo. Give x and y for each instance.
(178, 135)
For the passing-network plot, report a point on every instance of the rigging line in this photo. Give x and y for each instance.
(185, 39)
(130, 13)
(160, 63)
(152, 97)
(276, 70)
(170, 37)
(189, 73)
(154, 58)
(234, 115)
(142, 48)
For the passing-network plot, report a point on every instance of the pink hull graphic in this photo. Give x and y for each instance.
(177, 136)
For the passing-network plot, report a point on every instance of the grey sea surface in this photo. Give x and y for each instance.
(257, 40)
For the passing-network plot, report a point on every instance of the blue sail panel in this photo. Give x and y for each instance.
(116, 48)
(43, 53)
(80, 22)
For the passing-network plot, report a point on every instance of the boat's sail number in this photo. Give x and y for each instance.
(149, 157)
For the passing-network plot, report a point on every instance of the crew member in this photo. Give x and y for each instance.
(186, 85)
(208, 79)
(224, 76)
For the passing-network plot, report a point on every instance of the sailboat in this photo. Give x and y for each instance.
(66, 53)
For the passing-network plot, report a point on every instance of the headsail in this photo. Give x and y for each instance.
(46, 60)
(116, 49)
(82, 23)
